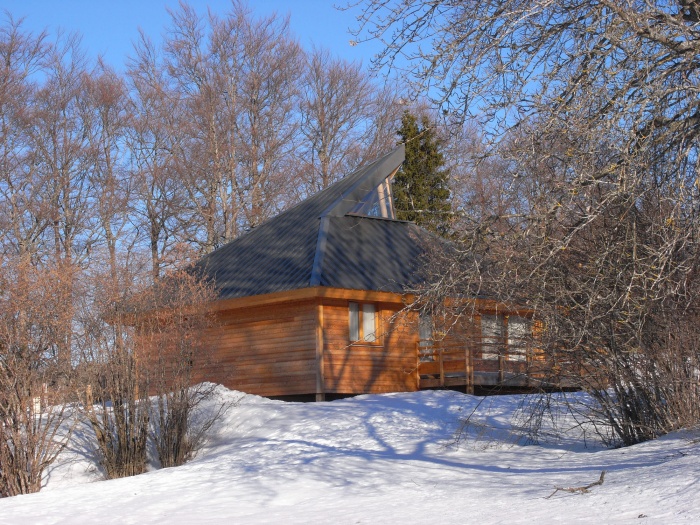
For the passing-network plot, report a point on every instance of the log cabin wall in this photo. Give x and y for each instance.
(268, 350)
(386, 365)
(299, 343)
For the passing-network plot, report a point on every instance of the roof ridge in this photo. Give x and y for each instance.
(321, 241)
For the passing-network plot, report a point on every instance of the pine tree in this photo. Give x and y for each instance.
(421, 192)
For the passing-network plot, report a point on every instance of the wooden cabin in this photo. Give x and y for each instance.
(313, 302)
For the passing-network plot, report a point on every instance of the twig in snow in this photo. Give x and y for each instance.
(579, 490)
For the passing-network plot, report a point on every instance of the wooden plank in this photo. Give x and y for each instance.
(373, 388)
(312, 293)
(246, 331)
(255, 385)
(254, 339)
(278, 388)
(305, 367)
(266, 350)
(357, 368)
(469, 385)
(431, 382)
(268, 317)
(303, 335)
(366, 369)
(429, 368)
(242, 353)
(377, 352)
(454, 366)
(236, 361)
(269, 329)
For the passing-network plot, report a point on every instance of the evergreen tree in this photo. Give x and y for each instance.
(421, 192)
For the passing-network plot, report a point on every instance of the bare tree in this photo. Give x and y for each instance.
(173, 337)
(158, 199)
(144, 343)
(233, 98)
(33, 316)
(22, 212)
(113, 386)
(204, 69)
(337, 111)
(63, 155)
(106, 115)
(269, 96)
(595, 105)
(63, 150)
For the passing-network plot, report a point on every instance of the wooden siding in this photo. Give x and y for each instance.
(265, 350)
(389, 365)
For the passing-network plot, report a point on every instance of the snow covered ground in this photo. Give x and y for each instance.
(380, 459)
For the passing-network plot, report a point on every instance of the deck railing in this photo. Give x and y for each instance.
(486, 362)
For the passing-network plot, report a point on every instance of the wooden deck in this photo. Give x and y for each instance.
(479, 364)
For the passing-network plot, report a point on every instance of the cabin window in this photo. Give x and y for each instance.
(377, 203)
(363, 322)
(500, 333)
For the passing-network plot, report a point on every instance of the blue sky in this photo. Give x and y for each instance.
(109, 27)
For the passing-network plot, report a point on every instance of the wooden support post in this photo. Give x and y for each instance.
(320, 375)
(501, 368)
(469, 370)
(418, 362)
(528, 366)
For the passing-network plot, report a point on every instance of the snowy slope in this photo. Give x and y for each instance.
(380, 459)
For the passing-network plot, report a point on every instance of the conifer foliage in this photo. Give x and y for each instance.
(421, 192)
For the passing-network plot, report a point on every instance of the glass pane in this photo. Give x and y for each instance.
(368, 322)
(425, 337)
(518, 332)
(377, 203)
(491, 326)
(425, 327)
(370, 205)
(354, 316)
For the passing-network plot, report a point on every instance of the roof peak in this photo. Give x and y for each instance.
(309, 244)
(367, 180)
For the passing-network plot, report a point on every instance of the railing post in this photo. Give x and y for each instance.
(501, 367)
(442, 367)
(469, 370)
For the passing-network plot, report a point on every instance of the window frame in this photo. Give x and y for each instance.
(503, 343)
(425, 337)
(360, 310)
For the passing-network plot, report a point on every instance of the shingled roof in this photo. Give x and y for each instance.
(323, 241)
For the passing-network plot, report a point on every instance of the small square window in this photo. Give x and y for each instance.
(362, 322)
